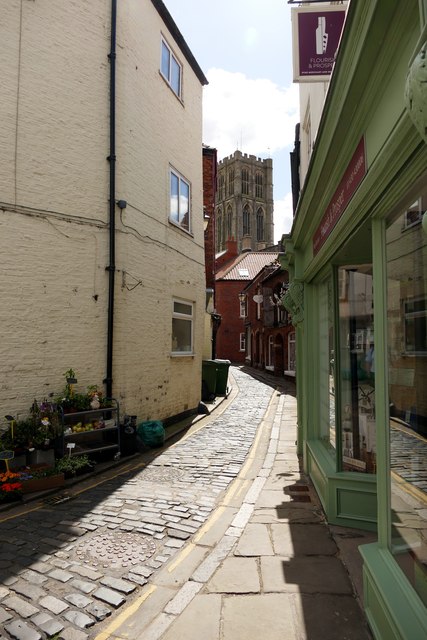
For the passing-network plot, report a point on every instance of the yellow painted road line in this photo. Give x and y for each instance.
(217, 513)
(409, 488)
(236, 488)
(125, 614)
(184, 553)
(21, 513)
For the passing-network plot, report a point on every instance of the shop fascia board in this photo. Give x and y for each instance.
(379, 192)
(357, 83)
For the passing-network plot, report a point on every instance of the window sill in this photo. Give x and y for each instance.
(169, 86)
(290, 373)
(181, 354)
(178, 226)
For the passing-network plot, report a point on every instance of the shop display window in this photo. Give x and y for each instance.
(406, 264)
(327, 365)
(357, 368)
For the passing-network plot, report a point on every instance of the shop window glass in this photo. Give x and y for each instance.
(356, 361)
(292, 353)
(406, 255)
(327, 365)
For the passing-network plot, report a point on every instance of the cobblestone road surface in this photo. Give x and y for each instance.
(65, 568)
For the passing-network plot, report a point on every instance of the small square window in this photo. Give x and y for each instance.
(182, 328)
(170, 69)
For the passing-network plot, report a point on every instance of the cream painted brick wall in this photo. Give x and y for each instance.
(54, 128)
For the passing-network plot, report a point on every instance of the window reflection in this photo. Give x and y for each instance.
(327, 365)
(357, 368)
(407, 369)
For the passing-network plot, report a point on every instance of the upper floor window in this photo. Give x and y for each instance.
(179, 200)
(171, 69)
(243, 307)
(231, 182)
(259, 186)
(246, 221)
(245, 182)
(260, 225)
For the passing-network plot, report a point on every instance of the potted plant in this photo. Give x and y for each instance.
(72, 466)
(72, 401)
(44, 418)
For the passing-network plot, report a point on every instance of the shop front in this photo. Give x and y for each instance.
(357, 259)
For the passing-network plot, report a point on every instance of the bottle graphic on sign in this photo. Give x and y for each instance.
(321, 36)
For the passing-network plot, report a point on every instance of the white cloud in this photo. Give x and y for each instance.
(254, 116)
(283, 216)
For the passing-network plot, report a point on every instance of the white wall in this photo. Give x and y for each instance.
(54, 192)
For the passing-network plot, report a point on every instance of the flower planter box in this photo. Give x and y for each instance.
(43, 484)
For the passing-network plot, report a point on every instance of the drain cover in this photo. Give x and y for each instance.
(116, 550)
(160, 474)
(57, 499)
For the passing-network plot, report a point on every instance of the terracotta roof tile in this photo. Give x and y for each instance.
(246, 266)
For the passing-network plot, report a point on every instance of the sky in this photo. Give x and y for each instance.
(244, 48)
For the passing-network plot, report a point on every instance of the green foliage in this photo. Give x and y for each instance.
(72, 464)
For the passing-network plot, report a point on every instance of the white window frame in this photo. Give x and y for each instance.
(168, 74)
(180, 214)
(181, 316)
(242, 346)
(243, 307)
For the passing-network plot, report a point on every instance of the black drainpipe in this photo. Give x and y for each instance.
(112, 210)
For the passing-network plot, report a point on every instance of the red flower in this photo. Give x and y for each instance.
(11, 486)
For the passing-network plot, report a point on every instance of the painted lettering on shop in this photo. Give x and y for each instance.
(349, 183)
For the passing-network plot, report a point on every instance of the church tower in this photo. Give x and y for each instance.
(244, 209)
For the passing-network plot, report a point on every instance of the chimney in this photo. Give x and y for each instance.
(231, 247)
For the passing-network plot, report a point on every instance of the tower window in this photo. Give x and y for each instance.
(246, 221)
(260, 225)
(245, 182)
(231, 182)
(259, 186)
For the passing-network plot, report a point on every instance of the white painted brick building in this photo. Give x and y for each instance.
(54, 205)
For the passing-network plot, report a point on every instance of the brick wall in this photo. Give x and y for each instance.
(232, 325)
(209, 193)
(54, 192)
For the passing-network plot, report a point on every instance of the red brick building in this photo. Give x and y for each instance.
(269, 334)
(233, 273)
(209, 198)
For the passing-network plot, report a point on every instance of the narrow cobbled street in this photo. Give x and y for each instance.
(67, 566)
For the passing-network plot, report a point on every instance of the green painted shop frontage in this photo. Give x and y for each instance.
(357, 258)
